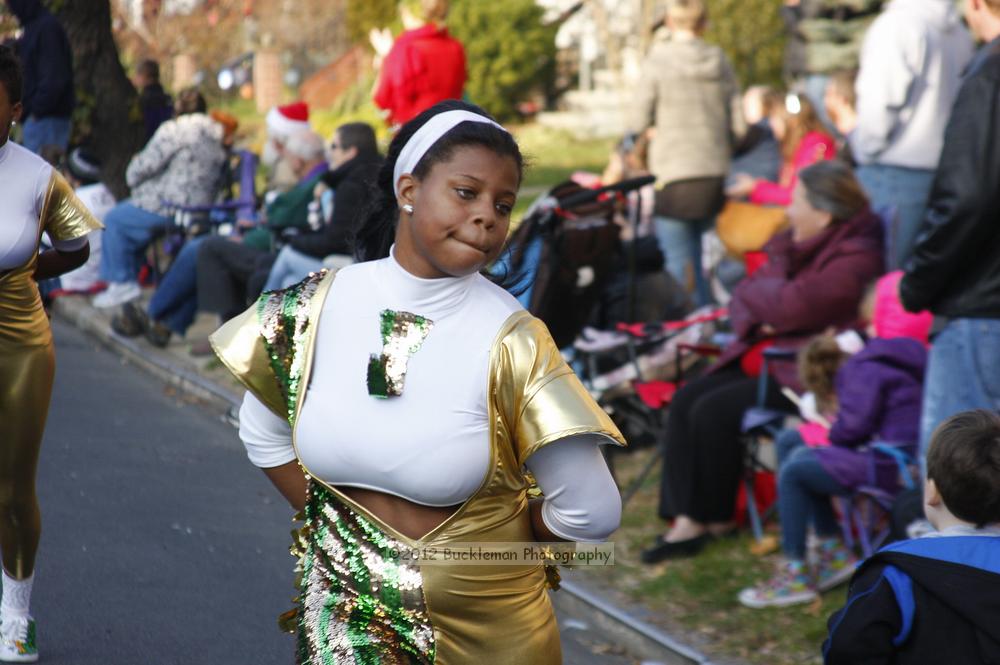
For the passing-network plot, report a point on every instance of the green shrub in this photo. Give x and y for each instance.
(509, 51)
(752, 34)
(363, 15)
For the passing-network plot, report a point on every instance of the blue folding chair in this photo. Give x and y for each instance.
(867, 512)
(212, 217)
(760, 422)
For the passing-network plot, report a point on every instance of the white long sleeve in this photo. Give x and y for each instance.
(582, 501)
(267, 437)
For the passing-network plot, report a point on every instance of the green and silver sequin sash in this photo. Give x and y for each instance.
(284, 320)
(403, 334)
(358, 602)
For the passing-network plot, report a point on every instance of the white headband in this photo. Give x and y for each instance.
(425, 137)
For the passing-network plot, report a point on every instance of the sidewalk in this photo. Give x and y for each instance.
(207, 380)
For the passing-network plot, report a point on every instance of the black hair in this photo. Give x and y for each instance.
(358, 135)
(10, 74)
(377, 229)
(150, 69)
(963, 460)
(189, 100)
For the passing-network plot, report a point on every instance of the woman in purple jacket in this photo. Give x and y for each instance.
(815, 277)
(878, 394)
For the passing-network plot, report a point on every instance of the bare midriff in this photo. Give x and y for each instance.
(410, 519)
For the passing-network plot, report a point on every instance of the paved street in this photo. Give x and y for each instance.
(160, 543)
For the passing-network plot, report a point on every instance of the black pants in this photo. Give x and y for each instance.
(703, 458)
(230, 276)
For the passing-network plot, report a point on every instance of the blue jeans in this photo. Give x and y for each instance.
(906, 189)
(804, 491)
(291, 267)
(963, 373)
(680, 242)
(128, 231)
(40, 132)
(175, 302)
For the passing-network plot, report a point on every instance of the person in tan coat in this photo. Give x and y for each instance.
(690, 97)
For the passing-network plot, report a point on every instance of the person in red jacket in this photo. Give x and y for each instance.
(425, 65)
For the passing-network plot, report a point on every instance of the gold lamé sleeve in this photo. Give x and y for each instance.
(548, 401)
(64, 216)
(239, 346)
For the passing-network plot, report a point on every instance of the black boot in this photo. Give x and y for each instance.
(131, 321)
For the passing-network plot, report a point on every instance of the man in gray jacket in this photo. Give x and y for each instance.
(690, 95)
(911, 69)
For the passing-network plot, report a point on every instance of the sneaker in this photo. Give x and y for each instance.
(117, 293)
(17, 640)
(790, 586)
(835, 564)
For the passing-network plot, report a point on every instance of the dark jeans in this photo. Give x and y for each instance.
(230, 276)
(804, 492)
(175, 302)
(703, 458)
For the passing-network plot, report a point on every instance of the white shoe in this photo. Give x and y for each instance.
(117, 293)
(17, 640)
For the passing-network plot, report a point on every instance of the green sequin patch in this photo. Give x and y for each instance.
(403, 334)
(284, 324)
(358, 602)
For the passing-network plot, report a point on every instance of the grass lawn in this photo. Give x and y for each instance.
(695, 599)
(552, 157)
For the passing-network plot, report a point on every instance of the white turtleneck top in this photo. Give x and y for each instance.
(24, 183)
(429, 445)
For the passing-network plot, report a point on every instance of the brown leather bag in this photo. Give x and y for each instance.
(746, 227)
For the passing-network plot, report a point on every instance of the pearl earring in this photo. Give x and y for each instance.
(408, 209)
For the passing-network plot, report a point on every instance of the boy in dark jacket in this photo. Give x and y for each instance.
(934, 599)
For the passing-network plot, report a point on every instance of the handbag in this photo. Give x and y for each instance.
(746, 227)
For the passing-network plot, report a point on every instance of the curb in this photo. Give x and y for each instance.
(80, 315)
(641, 639)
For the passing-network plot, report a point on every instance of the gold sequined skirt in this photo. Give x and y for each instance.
(361, 603)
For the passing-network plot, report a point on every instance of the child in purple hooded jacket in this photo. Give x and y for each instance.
(876, 396)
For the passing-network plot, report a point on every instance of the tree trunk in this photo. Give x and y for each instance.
(107, 118)
(647, 25)
(602, 20)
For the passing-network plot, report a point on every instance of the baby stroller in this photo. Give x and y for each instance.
(563, 254)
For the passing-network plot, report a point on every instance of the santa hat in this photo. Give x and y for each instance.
(283, 121)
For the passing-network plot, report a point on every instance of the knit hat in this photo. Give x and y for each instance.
(890, 319)
(83, 166)
(228, 121)
(283, 121)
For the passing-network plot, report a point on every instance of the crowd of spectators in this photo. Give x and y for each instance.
(887, 185)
